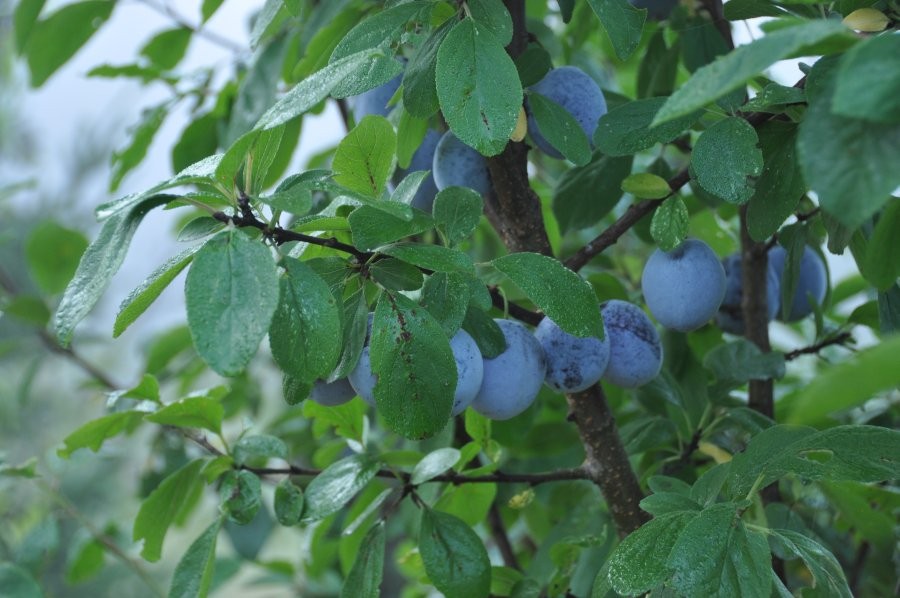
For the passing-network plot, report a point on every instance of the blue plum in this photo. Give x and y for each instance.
(469, 370)
(573, 364)
(684, 288)
(578, 93)
(635, 351)
(422, 159)
(457, 164)
(657, 10)
(512, 379)
(375, 101)
(812, 281)
(332, 394)
(730, 317)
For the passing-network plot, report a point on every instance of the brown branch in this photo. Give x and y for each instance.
(839, 339)
(606, 460)
(754, 264)
(501, 537)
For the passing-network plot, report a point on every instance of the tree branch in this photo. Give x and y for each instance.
(843, 338)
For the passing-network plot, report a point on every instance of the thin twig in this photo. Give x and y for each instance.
(839, 339)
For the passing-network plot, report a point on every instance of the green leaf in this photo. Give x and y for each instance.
(827, 573)
(329, 491)
(670, 224)
(831, 148)
(85, 562)
(396, 275)
(454, 556)
(148, 291)
(586, 194)
(93, 434)
(740, 361)
(533, 64)
(161, 507)
(433, 464)
(626, 129)
(406, 190)
(420, 96)
(415, 367)
(288, 503)
(166, 49)
(25, 16)
(663, 503)
(622, 22)
(882, 255)
(209, 8)
(124, 160)
(240, 495)
(372, 228)
(194, 572)
(431, 257)
(305, 332)
(774, 97)
(55, 39)
(446, 297)
(560, 128)
(731, 71)
(382, 31)
(854, 453)
(267, 20)
(484, 330)
(867, 84)
(739, 10)
(645, 185)
(199, 228)
(192, 412)
(259, 446)
(27, 470)
(845, 385)
(312, 90)
(659, 67)
(493, 16)
(562, 294)
(18, 582)
(364, 579)
(232, 294)
(726, 160)
(638, 564)
(716, 555)
(100, 261)
(457, 212)
(469, 502)
(53, 252)
(478, 87)
(780, 184)
(365, 158)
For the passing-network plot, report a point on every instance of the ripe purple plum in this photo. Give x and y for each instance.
(332, 394)
(811, 282)
(573, 363)
(730, 317)
(458, 165)
(635, 351)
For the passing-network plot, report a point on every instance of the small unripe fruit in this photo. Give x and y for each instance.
(512, 379)
(812, 281)
(578, 94)
(635, 352)
(458, 165)
(573, 363)
(684, 288)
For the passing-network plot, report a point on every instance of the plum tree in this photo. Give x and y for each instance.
(657, 10)
(423, 159)
(573, 363)
(635, 351)
(684, 287)
(812, 282)
(375, 101)
(578, 94)
(457, 164)
(469, 371)
(730, 317)
(331, 394)
(513, 378)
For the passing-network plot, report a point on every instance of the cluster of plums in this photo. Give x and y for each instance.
(453, 163)
(687, 287)
(504, 386)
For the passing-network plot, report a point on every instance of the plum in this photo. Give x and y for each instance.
(513, 378)
(684, 288)
(573, 363)
(812, 281)
(578, 93)
(457, 164)
(469, 370)
(375, 101)
(635, 351)
(730, 317)
(332, 394)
